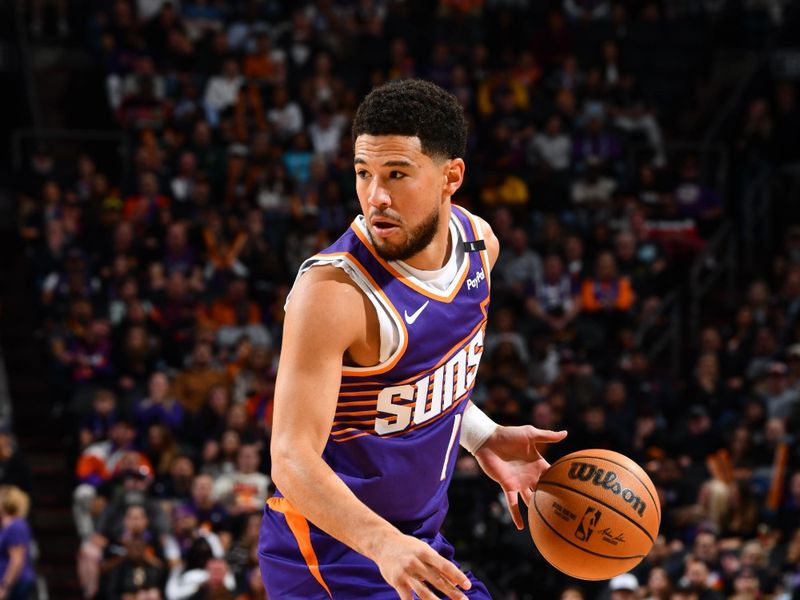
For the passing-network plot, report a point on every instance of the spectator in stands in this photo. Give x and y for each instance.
(519, 268)
(204, 571)
(696, 440)
(110, 544)
(755, 141)
(99, 461)
(222, 91)
(553, 301)
(591, 430)
(174, 484)
(161, 448)
(265, 65)
(210, 514)
(245, 489)
(136, 574)
(695, 199)
(551, 148)
(322, 86)
(326, 131)
(99, 420)
(606, 291)
(698, 576)
(159, 406)
(607, 302)
(623, 587)
(218, 585)
(17, 577)
(185, 532)
(659, 586)
(780, 400)
(596, 143)
(285, 114)
(593, 191)
(144, 208)
(219, 455)
(707, 389)
(630, 112)
(193, 384)
(234, 315)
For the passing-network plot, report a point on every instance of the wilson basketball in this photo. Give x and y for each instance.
(595, 514)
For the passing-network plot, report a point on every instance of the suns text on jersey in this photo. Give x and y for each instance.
(445, 385)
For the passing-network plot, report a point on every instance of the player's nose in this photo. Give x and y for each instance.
(378, 195)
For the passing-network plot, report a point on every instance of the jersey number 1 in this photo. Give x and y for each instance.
(453, 436)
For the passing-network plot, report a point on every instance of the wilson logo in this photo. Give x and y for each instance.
(607, 480)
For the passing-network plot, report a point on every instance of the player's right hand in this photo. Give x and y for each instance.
(408, 564)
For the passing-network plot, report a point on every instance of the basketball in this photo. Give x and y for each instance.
(594, 514)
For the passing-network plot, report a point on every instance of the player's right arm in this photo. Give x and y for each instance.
(327, 320)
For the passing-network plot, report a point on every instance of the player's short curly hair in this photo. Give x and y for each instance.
(412, 107)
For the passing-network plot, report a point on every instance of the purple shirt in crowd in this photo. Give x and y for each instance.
(16, 533)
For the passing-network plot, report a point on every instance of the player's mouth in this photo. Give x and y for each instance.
(383, 227)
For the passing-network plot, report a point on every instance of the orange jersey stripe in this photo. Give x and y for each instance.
(359, 402)
(362, 383)
(298, 525)
(356, 422)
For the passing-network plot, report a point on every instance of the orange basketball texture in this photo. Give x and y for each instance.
(595, 514)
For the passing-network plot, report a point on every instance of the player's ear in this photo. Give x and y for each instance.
(453, 175)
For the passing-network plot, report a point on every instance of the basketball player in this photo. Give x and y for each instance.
(383, 335)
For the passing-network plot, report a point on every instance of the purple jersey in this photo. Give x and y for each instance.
(395, 433)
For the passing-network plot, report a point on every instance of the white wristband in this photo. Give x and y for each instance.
(476, 428)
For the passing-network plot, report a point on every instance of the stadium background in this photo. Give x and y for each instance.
(168, 164)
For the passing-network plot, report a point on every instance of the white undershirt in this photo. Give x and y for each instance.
(437, 278)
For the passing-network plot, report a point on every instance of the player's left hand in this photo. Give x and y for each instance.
(511, 458)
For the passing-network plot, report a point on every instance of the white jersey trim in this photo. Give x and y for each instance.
(392, 331)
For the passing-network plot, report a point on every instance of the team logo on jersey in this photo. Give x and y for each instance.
(441, 388)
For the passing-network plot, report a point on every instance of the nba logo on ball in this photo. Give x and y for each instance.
(587, 524)
(595, 514)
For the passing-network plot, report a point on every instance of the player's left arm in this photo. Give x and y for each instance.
(509, 455)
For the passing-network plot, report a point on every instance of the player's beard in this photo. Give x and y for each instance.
(416, 241)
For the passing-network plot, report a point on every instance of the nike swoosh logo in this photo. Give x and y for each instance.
(411, 318)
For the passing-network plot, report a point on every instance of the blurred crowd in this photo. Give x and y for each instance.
(161, 284)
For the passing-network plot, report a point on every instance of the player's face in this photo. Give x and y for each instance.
(402, 192)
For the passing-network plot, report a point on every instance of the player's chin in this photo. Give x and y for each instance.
(391, 251)
(392, 241)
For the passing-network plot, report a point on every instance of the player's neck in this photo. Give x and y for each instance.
(436, 254)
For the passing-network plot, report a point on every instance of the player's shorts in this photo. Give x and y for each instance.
(299, 561)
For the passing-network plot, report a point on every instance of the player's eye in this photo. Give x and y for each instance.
(362, 174)
(396, 175)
